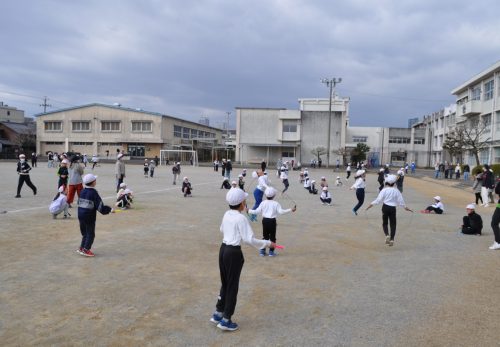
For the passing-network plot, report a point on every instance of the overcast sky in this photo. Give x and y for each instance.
(398, 59)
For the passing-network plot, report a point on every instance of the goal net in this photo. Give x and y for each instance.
(184, 156)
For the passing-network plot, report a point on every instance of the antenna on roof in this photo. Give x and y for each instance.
(45, 105)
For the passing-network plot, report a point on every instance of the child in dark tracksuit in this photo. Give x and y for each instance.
(88, 203)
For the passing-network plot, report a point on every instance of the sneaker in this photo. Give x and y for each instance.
(272, 253)
(387, 239)
(262, 252)
(354, 212)
(87, 253)
(79, 251)
(65, 216)
(495, 246)
(34, 191)
(227, 325)
(391, 243)
(18, 196)
(486, 205)
(216, 318)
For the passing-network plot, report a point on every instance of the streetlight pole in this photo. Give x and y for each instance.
(331, 83)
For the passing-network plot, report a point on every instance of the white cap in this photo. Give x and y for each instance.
(254, 174)
(89, 178)
(391, 179)
(178, 163)
(244, 170)
(123, 185)
(185, 178)
(65, 161)
(470, 206)
(437, 197)
(360, 172)
(325, 189)
(381, 170)
(270, 192)
(313, 181)
(234, 183)
(127, 191)
(240, 176)
(235, 196)
(61, 189)
(119, 156)
(229, 160)
(323, 177)
(338, 177)
(226, 179)
(22, 156)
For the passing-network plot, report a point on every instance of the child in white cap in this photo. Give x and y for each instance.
(241, 182)
(152, 166)
(59, 203)
(325, 197)
(146, 168)
(391, 198)
(312, 188)
(23, 170)
(270, 210)
(125, 199)
(284, 177)
(323, 183)
(235, 229)
(437, 207)
(186, 187)
(63, 173)
(89, 203)
(338, 181)
(472, 224)
(359, 185)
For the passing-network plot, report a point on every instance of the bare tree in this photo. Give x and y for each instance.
(318, 152)
(26, 140)
(343, 152)
(471, 136)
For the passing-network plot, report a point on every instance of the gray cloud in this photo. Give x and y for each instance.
(398, 59)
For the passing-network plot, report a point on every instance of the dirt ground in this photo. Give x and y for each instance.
(154, 280)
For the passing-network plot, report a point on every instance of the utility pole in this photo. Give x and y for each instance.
(331, 83)
(45, 105)
(227, 123)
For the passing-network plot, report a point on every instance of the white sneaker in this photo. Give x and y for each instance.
(495, 246)
(486, 205)
(387, 239)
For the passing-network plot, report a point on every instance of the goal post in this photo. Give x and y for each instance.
(184, 156)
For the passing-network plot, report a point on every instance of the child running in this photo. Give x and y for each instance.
(88, 203)
(359, 185)
(235, 229)
(258, 193)
(284, 177)
(390, 197)
(270, 210)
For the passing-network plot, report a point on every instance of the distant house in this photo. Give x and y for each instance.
(17, 138)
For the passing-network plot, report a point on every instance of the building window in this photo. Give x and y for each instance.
(82, 143)
(110, 126)
(54, 143)
(357, 139)
(488, 90)
(394, 139)
(487, 122)
(142, 127)
(80, 126)
(177, 131)
(185, 133)
(110, 144)
(476, 93)
(194, 133)
(289, 127)
(53, 126)
(497, 154)
(287, 154)
(419, 141)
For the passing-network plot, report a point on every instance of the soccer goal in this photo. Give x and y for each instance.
(184, 156)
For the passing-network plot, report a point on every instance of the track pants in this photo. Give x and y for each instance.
(360, 195)
(87, 229)
(22, 179)
(230, 264)
(495, 220)
(389, 216)
(257, 194)
(269, 230)
(72, 189)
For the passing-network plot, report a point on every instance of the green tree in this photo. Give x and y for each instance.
(359, 152)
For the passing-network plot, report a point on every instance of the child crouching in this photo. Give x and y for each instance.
(326, 197)
(186, 187)
(59, 203)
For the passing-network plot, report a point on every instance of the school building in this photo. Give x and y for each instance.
(103, 129)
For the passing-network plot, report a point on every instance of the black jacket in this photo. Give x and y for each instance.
(23, 168)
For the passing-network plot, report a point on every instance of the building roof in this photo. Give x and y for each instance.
(139, 110)
(20, 128)
(476, 78)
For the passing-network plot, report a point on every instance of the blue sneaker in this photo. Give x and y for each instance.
(227, 325)
(216, 318)
(272, 254)
(262, 252)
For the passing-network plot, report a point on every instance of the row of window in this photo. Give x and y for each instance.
(188, 133)
(106, 126)
(489, 90)
(393, 139)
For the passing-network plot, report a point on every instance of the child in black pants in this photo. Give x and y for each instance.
(89, 203)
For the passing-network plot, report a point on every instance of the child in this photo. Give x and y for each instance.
(235, 229)
(381, 179)
(234, 184)
(63, 173)
(152, 166)
(359, 185)
(176, 171)
(307, 184)
(186, 187)
(244, 173)
(258, 193)
(390, 197)
(284, 177)
(437, 207)
(401, 177)
(472, 223)
(301, 177)
(241, 182)
(326, 197)
(88, 203)
(59, 204)
(124, 199)
(270, 210)
(225, 184)
(323, 183)
(122, 188)
(312, 189)
(306, 173)
(146, 168)
(338, 181)
(23, 170)
(476, 188)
